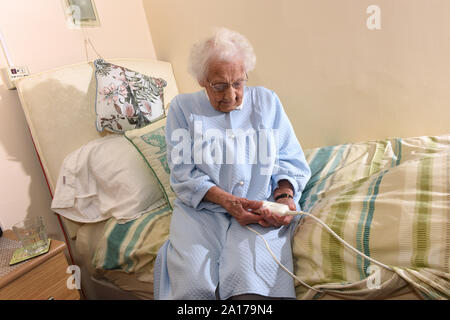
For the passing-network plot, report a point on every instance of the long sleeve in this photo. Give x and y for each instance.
(290, 163)
(188, 182)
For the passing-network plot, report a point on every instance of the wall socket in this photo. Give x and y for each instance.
(11, 74)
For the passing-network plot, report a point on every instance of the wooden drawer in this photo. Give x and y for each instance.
(45, 281)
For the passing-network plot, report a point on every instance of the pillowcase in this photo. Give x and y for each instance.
(126, 99)
(105, 178)
(150, 141)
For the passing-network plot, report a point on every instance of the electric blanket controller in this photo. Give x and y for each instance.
(279, 208)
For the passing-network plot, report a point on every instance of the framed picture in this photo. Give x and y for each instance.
(81, 13)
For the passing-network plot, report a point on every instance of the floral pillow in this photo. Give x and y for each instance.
(126, 99)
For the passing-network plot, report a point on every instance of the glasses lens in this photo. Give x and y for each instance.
(222, 86)
(238, 84)
(219, 87)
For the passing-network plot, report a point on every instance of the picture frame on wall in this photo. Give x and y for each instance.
(81, 13)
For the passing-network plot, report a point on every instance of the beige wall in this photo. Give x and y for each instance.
(339, 82)
(37, 37)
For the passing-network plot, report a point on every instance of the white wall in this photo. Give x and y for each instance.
(37, 36)
(339, 81)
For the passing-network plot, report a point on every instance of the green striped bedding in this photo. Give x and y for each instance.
(132, 246)
(389, 199)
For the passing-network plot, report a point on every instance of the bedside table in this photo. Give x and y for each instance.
(40, 278)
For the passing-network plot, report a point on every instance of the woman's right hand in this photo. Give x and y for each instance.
(245, 211)
(237, 207)
(240, 209)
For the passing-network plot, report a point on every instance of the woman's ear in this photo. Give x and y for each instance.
(202, 83)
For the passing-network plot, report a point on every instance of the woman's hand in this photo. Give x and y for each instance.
(240, 209)
(272, 219)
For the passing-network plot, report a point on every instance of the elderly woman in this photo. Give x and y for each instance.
(238, 149)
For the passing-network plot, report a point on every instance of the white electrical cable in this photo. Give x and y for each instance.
(87, 41)
(283, 210)
(340, 239)
(279, 263)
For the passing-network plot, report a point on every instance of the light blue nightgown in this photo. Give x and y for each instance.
(244, 152)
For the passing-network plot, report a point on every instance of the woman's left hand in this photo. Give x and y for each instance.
(272, 219)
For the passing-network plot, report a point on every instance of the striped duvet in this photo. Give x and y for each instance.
(390, 199)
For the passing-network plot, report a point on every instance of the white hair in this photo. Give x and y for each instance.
(225, 45)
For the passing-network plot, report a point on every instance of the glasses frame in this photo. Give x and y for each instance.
(228, 84)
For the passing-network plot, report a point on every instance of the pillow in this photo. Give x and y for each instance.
(126, 99)
(105, 178)
(151, 143)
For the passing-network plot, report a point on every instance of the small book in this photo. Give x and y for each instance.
(21, 255)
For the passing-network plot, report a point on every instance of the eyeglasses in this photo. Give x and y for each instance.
(222, 86)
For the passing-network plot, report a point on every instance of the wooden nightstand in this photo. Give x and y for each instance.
(41, 278)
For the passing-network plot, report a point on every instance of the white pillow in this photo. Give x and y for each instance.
(105, 178)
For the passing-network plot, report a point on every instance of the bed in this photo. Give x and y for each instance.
(388, 198)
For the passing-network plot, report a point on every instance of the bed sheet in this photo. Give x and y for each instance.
(87, 238)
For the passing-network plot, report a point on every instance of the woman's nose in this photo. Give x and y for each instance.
(230, 93)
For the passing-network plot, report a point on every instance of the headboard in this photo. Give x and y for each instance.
(59, 107)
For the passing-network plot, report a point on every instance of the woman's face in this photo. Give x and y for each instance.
(225, 72)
